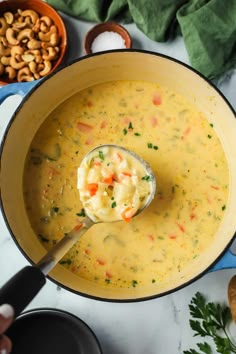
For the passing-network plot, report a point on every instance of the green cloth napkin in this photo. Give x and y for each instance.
(208, 27)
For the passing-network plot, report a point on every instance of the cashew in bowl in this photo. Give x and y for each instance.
(29, 45)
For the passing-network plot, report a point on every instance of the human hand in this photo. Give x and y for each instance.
(6, 318)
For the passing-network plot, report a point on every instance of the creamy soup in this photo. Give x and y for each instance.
(183, 150)
(113, 184)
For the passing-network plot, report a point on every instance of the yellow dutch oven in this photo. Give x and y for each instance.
(45, 96)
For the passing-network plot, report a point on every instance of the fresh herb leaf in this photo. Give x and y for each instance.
(146, 178)
(100, 153)
(113, 205)
(209, 136)
(134, 283)
(137, 134)
(130, 126)
(149, 145)
(125, 131)
(210, 320)
(66, 261)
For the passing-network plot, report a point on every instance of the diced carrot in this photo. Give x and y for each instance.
(84, 128)
(156, 99)
(109, 179)
(186, 132)
(100, 261)
(103, 124)
(128, 174)
(180, 227)
(127, 214)
(151, 237)
(92, 188)
(154, 122)
(89, 104)
(108, 275)
(172, 237)
(215, 187)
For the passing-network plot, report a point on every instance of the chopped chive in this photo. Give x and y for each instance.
(137, 134)
(81, 213)
(112, 198)
(113, 205)
(209, 136)
(125, 131)
(146, 178)
(134, 283)
(153, 280)
(130, 126)
(155, 147)
(55, 209)
(211, 125)
(66, 261)
(77, 152)
(223, 207)
(107, 281)
(101, 155)
(149, 145)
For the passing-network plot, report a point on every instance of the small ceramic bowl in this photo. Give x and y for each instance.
(112, 27)
(42, 9)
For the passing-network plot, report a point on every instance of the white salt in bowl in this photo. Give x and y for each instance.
(106, 36)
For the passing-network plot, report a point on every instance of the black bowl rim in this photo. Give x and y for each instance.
(26, 97)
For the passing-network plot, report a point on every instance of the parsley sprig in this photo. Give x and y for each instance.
(210, 320)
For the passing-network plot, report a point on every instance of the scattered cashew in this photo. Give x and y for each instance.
(32, 14)
(54, 40)
(25, 33)
(10, 72)
(34, 44)
(46, 36)
(27, 57)
(4, 50)
(47, 68)
(3, 26)
(37, 55)
(19, 25)
(2, 68)
(47, 20)
(10, 36)
(4, 41)
(24, 75)
(9, 17)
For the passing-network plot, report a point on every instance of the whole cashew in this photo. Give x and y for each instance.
(3, 26)
(19, 25)
(2, 67)
(47, 68)
(4, 41)
(49, 54)
(24, 75)
(11, 72)
(46, 36)
(54, 40)
(47, 20)
(15, 60)
(37, 55)
(25, 33)
(34, 44)
(5, 60)
(10, 36)
(4, 50)
(9, 17)
(32, 14)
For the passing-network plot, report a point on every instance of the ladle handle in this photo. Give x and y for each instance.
(22, 288)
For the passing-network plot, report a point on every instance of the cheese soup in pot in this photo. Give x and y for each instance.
(183, 150)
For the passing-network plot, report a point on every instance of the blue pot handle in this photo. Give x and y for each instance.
(227, 261)
(21, 88)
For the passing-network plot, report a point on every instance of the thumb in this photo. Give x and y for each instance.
(6, 317)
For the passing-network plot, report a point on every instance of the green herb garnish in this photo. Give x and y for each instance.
(130, 126)
(211, 125)
(81, 213)
(210, 320)
(107, 281)
(155, 147)
(66, 261)
(55, 209)
(137, 134)
(146, 178)
(134, 283)
(149, 145)
(153, 280)
(101, 156)
(223, 207)
(125, 131)
(113, 205)
(209, 136)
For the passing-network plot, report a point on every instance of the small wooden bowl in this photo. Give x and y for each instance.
(42, 9)
(103, 27)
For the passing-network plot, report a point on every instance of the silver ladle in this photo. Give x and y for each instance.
(25, 284)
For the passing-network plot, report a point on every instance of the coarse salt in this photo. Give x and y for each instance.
(107, 40)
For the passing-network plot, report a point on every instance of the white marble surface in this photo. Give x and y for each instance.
(159, 326)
